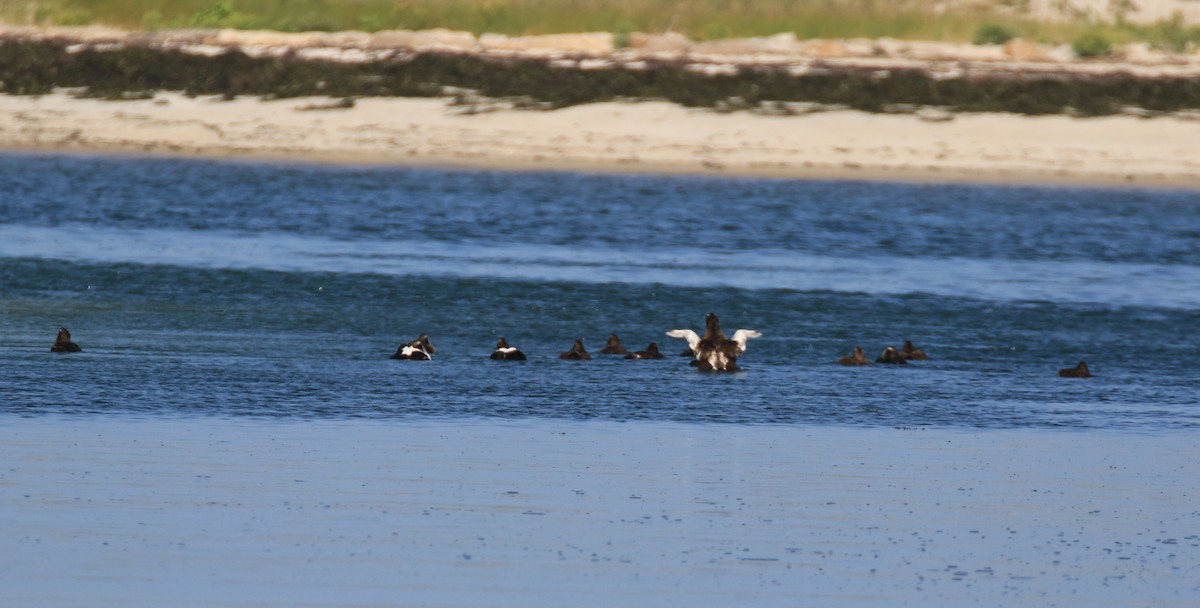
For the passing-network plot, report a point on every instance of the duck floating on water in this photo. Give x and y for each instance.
(504, 352)
(651, 352)
(1079, 371)
(63, 343)
(715, 352)
(858, 358)
(417, 350)
(891, 355)
(911, 353)
(614, 346)
(577, 352)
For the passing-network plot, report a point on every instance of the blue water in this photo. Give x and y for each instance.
(270, 290)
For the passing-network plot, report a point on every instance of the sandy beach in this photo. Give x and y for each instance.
(625, 137)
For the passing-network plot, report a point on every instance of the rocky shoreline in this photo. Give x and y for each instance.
(780, 74)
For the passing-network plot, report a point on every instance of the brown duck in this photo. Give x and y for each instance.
(614, 346)
(912, 354)
(715, 352)
(858, 358)
(63, 343)
(577, 352)
(1079, 371)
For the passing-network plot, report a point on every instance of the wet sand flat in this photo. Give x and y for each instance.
(237, 512)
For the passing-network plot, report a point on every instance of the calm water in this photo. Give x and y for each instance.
(272, 290)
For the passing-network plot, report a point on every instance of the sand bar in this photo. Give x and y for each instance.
(104, 511)
(624, 137)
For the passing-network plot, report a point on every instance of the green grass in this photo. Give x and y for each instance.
(1092, 44)
(698, 19)
(992, 33)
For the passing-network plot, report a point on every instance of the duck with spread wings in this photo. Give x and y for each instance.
(715, 351)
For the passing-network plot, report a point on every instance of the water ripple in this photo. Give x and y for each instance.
(1105, 283)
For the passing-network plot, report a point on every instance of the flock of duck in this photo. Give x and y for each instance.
(713, 351)
(910, 353)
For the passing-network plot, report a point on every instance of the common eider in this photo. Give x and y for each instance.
(915, 354)
(715, 352)
(417, 350)
(651, 352)
(504, 352)
(858, 358)
(577, 352)
(1079, 371)
(63, 343)
(614, 346)
(891, 355)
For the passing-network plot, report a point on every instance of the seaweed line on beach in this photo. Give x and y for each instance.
(34, 67)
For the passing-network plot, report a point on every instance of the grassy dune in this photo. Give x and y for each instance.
(698, 19)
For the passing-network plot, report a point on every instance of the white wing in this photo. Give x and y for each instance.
(686, 334)
(411, 350)
(742, 335)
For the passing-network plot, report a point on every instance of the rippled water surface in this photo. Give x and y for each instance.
(272, 290)
(235, 434)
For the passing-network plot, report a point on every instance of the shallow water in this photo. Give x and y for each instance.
(236, 512)
(274, 290)
(261, 300)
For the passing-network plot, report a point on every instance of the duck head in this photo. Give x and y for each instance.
(712, 328)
